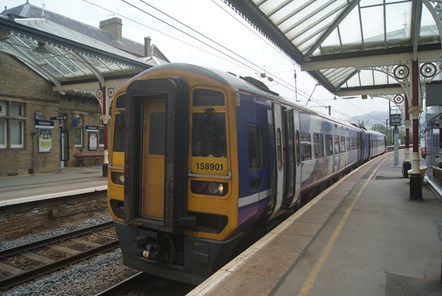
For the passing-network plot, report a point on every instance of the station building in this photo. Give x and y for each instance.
(53, 71)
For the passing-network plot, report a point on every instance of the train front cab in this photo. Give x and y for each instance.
(179, 213)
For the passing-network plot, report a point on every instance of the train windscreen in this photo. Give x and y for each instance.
(209, 141)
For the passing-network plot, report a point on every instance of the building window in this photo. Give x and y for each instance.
(2, 133)
(101, 136)
(17, 133)
(12, 124)
(77, 122)
(78, 137)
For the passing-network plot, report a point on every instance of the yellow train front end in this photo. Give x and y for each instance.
(172, 191)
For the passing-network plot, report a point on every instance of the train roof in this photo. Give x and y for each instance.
(248, 84)
(372, 132)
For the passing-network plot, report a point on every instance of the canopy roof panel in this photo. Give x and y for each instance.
(66, 56)
(63, 55)
(346, 44)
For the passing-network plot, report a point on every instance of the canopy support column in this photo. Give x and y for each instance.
(406, 164)
(415, 176)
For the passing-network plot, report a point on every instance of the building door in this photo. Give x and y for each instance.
(64, 147)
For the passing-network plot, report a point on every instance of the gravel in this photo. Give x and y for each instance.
(86, 278)
(53, 232)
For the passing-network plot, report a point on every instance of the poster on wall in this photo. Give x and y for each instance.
(93, 141)
(44, 140)
(92, 136)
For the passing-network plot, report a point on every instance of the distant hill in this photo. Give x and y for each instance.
(370, 119)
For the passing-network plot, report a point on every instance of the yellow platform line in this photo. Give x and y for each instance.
(311, 279)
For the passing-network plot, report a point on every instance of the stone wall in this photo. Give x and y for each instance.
(22, 219)
(20, 84)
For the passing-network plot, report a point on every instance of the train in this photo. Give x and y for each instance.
(199, 157)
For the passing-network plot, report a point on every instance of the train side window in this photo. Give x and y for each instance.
(306, 147)
(298, 154)
(256, 157)
(157, 132)
(336, 144)
(120, 102)
(318, 145)
(119, 133)
(279, 147)
(343, 146)
(328, 145)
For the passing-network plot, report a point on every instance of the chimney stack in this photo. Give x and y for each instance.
(147, 47)
(113, 26)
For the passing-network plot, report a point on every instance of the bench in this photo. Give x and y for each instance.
(81, 156)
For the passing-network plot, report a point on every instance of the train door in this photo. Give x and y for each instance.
(289, 156)
(155, 193)
(152, 200)
(370, 146)
(297, 151)
(279, 147)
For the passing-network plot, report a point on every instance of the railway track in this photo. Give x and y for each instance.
(27, 262)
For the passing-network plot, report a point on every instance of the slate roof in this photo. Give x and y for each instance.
(28, 10)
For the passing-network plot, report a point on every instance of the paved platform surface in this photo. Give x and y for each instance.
(68, 181)
(362, 236)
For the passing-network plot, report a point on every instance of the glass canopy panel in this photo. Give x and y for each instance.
(398, 25)
(331, 44)
(373, 26)
(380, 78)
(77, 65)
(338, 75)
(298, 26)
(354, 81)
(371, 2)
(289, 9)
(269, 7)
(311, 33)
(366, 77)
(350, 31)
(428, 29)
(43, 55)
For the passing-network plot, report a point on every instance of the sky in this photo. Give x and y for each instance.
(214, 23)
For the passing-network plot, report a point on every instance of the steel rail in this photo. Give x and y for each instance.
(51, 240)
(57, 265)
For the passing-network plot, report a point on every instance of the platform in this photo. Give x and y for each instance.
(362, 236)
(68, 181)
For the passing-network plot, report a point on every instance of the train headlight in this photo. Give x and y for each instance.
(212, 188)
(209, 188)
(117, 178)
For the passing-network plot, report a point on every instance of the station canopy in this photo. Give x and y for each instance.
(66, 57)
(352, 47)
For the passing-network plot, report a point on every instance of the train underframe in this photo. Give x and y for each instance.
(175, 257)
